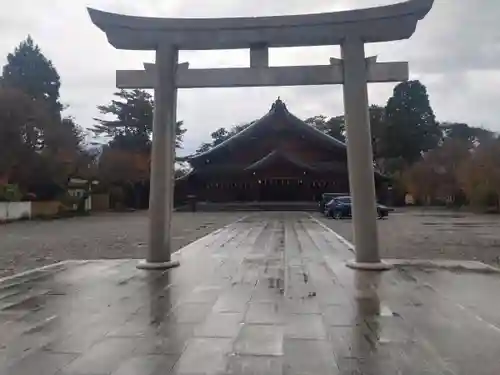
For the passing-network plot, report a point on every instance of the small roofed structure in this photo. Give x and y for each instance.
(276, 158)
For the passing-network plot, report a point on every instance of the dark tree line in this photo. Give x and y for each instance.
(40, 149)
(221, 135)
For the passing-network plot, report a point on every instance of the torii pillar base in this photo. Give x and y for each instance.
(377, 266)
(157, 266)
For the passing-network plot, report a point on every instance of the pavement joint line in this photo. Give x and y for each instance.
(465, 309)
(216, 231)
(476, 316)
(42, 268)
(347, 243)
(445, 264)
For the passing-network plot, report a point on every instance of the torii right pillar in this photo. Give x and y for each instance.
(360, 157)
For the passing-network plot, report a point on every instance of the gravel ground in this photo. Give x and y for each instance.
(431, 234)
(26, 245)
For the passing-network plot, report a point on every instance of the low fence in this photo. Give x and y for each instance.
(10, 211)
(45, 209)
(100, 202)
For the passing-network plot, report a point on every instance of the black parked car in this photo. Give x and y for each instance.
(340, 207)
(326, 198)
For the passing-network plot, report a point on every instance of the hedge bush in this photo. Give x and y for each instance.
(10, 193)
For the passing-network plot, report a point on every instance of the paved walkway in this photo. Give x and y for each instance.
(267, 295)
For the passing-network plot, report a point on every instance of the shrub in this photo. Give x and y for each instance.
(480, 177)
(10, 193)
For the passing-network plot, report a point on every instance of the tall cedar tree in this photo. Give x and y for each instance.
(18, 133)
(43, 145)
(411, 125)
(28, 70)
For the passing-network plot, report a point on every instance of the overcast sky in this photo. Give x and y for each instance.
(455, 53)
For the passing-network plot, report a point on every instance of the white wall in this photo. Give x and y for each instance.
(14, 210)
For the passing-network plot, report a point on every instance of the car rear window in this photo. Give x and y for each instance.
(344, 200)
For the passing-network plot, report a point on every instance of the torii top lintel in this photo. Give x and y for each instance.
(378, 24)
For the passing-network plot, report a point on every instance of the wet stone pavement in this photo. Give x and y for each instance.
(267, 295)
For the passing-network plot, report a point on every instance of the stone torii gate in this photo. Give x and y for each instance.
(349, 29)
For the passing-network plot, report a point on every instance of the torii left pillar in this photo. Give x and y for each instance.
(360, 156)
(161, 194)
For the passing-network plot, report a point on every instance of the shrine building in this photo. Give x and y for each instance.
(276, 158)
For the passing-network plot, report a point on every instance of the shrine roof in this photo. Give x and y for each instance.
(278, 156)
(278, 113)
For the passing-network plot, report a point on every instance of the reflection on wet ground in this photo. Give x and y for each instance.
(267, 295)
